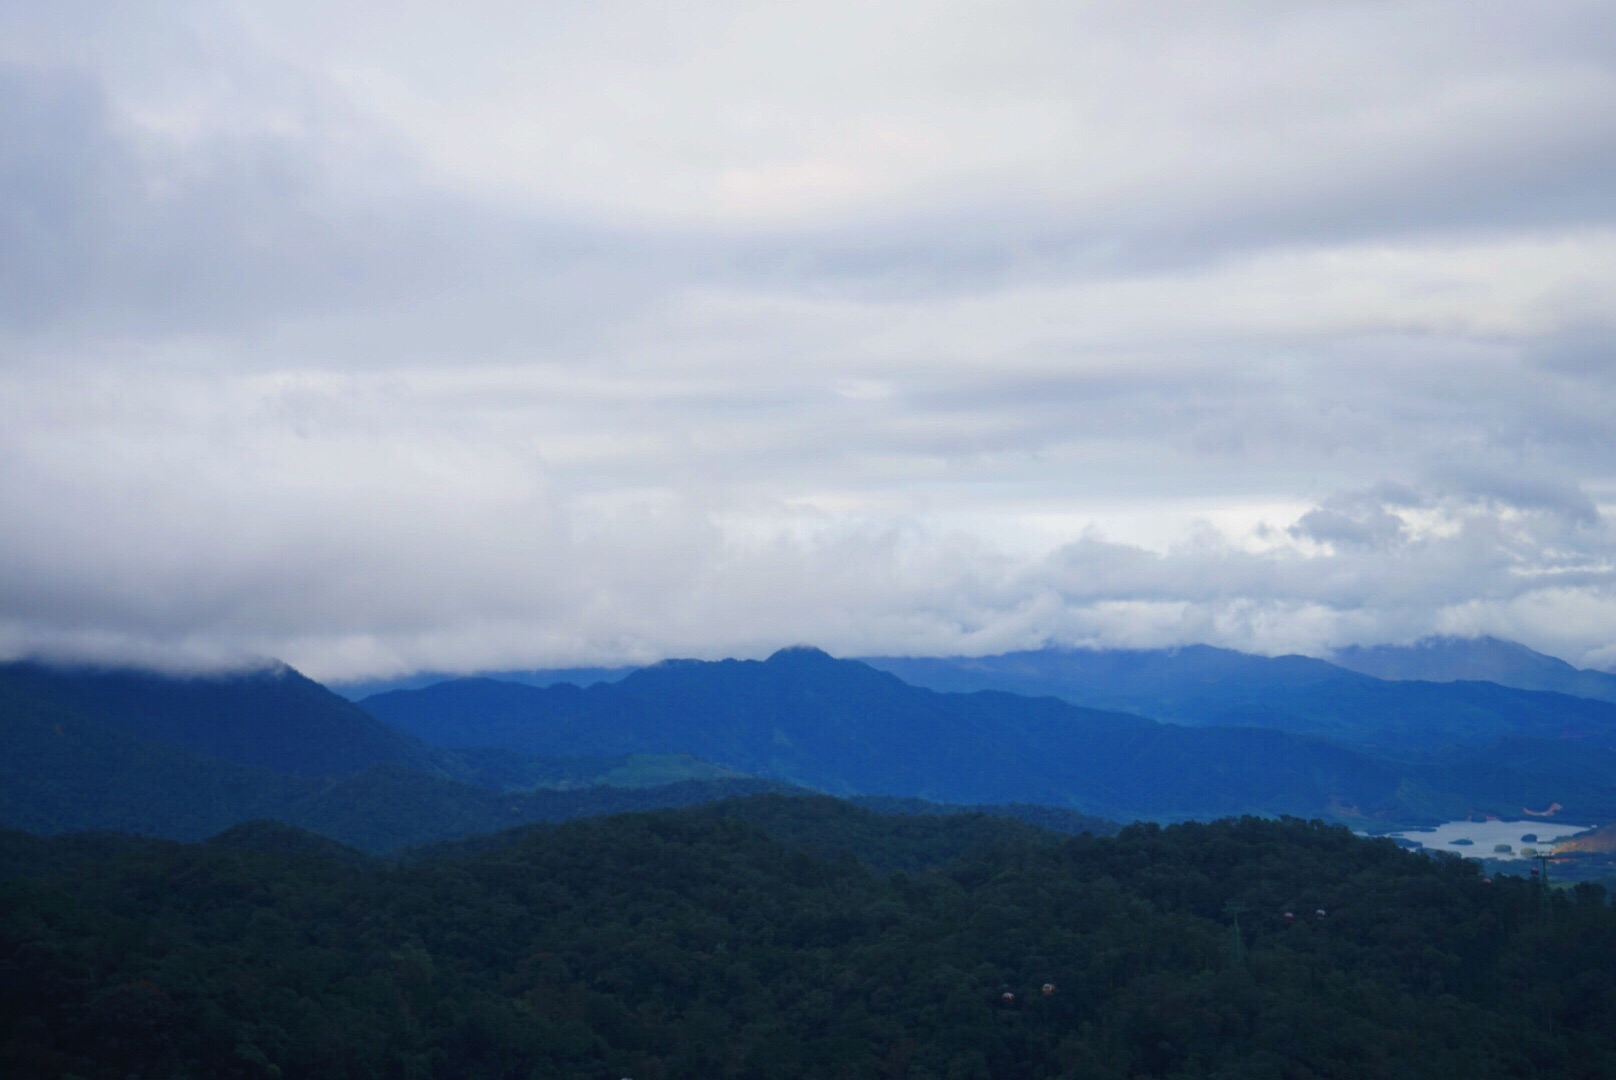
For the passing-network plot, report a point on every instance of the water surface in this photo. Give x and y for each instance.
(1485, 835)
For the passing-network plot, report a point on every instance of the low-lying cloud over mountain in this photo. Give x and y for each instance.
(377, 340)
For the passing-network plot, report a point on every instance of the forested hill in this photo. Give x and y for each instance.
(274, 718)
(62, 772)
(709, 943)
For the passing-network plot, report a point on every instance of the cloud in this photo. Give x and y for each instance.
(1352, 523)
(108, 233)
(351, 525)
(575, 333)
(768, 113)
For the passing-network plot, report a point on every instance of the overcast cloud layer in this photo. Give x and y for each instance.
(379, 337)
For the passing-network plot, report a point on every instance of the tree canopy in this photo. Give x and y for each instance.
(720, 942)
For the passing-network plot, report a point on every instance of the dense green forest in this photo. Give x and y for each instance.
(786, 937)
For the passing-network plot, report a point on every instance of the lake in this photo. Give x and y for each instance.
(1485, 835)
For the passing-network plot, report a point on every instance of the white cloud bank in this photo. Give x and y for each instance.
(380, 337)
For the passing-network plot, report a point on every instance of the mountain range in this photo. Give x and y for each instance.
(1281, 735)
(186, 757)
(1165, 734)
(1432, 659)
(844, 727)
(1202, 685)
(1481, 659)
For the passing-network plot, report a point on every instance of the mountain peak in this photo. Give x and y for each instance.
(801, 654)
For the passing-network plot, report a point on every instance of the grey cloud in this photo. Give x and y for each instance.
(420, 577)
(1370, 519)
(1525, 490)
(108, 233)
(55, 159)
(1369, 526)
(295, 391)
(256, 222)
(1395, 582)
(101, 230)
(1583, 352)
(1459, 121)
(1508, 186)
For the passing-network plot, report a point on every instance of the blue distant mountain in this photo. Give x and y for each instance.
(846, 727)
(184, 757)
(1290, 735)
(357, 689)
(1485, 659)
(1206, 686)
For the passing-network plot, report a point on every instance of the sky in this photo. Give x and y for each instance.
(387, 337)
